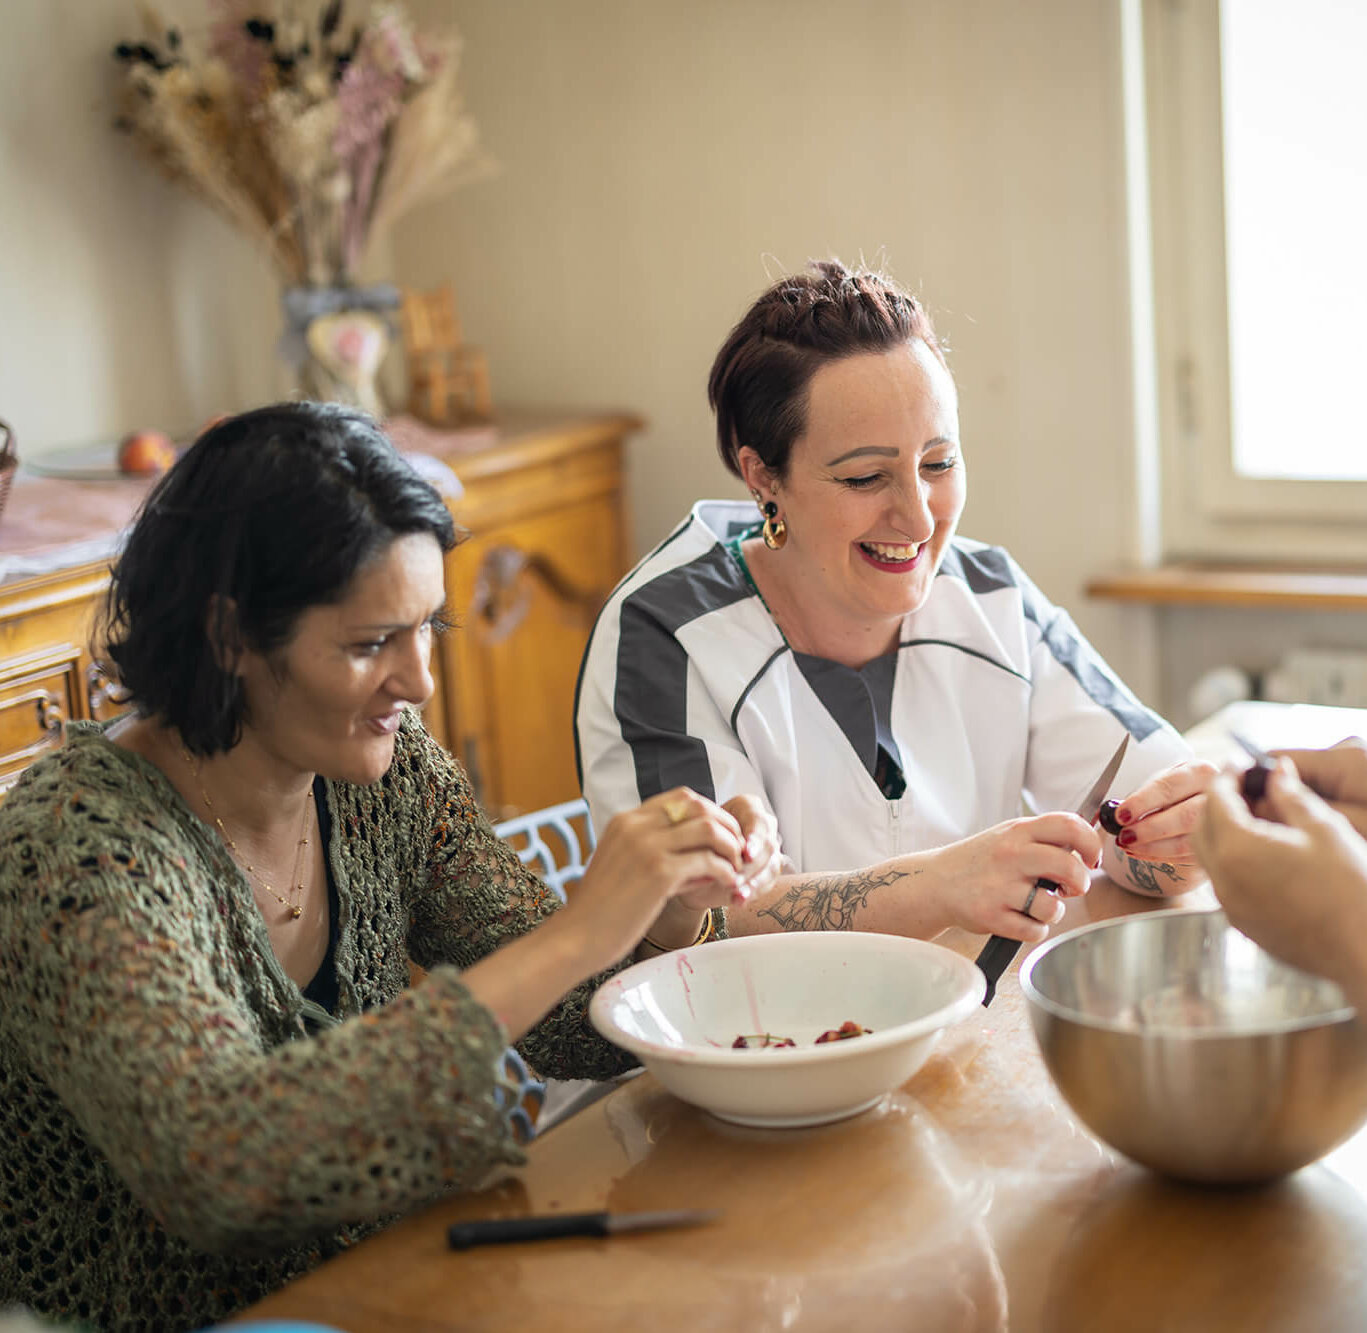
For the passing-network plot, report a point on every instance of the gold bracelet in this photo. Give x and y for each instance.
(709, 928)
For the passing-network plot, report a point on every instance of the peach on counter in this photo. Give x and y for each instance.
(146, 451)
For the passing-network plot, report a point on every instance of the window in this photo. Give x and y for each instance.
(1256, 111)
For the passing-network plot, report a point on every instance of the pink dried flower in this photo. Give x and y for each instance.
(368, 98)
(312, 147)
(244, 56)
(364, 168)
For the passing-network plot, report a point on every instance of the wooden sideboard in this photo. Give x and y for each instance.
(547, 544)
(543, 506)
(46, 672)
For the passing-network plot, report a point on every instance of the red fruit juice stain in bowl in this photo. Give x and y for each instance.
(681, 964)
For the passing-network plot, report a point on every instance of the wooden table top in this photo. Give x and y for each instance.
(970, 1199)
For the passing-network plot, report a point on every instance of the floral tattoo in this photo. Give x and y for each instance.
(829, 902)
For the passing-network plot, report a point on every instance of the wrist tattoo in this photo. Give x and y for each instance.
(827, 902)
(1144, 874)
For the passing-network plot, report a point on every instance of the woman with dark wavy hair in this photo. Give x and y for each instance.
(898, 693)
(212, 1071)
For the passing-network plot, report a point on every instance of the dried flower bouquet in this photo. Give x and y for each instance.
(311, 127)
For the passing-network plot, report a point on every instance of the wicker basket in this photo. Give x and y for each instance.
(9, 462)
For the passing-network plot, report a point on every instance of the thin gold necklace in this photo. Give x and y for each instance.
(292, 902)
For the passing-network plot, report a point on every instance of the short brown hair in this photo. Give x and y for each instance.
(758, 384)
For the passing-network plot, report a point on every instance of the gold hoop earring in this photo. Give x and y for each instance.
(775, 529)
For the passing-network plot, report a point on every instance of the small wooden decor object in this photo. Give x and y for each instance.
(448, 380)
(9, 462)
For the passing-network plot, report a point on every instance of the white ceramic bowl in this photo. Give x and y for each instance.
(681, 1012)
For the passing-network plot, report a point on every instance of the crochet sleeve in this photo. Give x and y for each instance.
(476, 895)
(234, 1138)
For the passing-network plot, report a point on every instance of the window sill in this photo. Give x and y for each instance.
(1282, 588)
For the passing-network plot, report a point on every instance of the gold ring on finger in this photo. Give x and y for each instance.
(677, 810)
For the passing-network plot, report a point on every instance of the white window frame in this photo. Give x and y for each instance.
(1209, 510)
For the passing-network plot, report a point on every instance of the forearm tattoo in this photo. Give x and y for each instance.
(1144, 874)
(828, 902)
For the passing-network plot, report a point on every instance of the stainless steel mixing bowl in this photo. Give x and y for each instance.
(1188, 1048)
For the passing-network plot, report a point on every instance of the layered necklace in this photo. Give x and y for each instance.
(291, 903)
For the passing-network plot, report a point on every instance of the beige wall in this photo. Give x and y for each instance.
(123, 302)
(659, 161)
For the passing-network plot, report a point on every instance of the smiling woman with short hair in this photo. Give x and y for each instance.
(898, 693)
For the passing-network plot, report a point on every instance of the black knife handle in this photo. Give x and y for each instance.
(998, 952)
(995, 958)
(507, 1230)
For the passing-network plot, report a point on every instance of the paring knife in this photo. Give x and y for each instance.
(1253, 783)
(999, 951)
(506, 1230)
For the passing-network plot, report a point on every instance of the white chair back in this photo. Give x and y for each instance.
(556, 842)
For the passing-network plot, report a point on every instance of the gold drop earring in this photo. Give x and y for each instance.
(775, 531)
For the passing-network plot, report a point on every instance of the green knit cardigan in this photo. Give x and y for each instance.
(173, 1146)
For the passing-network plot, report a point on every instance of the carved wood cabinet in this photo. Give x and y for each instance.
(547, 544)
(543, 507)
(47, 675)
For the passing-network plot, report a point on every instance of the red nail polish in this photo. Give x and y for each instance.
(1128, 838)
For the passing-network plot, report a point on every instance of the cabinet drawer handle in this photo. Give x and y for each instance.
(50, 715)
(502, 598)
(100, 690)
